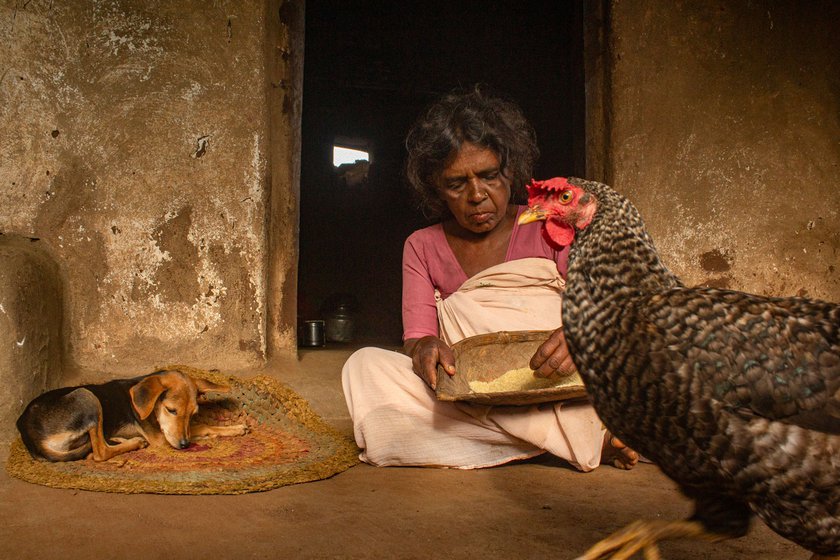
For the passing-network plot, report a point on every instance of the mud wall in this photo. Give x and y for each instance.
(31, 343)
(137, 144)
(720, 120)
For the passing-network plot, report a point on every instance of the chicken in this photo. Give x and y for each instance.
(736, 397)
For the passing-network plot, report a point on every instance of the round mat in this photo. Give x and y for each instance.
(286, 443)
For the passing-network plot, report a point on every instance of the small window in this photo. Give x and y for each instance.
(351, 161)
(342, 155)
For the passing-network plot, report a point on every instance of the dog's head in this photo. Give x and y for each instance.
(173, 397)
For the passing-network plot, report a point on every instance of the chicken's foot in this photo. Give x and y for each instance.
(643, 536)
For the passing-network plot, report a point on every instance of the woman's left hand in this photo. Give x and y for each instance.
(552, 356)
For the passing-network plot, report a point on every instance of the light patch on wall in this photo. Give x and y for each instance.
(64, 92)
(133, 35)
(254, 211)
(134, 258)
(195, 90)
(130, 32)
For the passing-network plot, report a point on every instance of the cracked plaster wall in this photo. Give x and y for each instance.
(134, 141)
(723, 128)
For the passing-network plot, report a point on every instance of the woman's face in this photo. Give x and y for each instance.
(474, 189)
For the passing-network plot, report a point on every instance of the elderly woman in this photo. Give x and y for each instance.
(474, 272)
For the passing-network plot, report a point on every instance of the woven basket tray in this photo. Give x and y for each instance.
(486, 357)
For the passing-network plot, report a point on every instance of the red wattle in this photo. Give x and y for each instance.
(557, 234)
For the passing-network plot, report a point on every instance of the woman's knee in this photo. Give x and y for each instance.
(369, 361)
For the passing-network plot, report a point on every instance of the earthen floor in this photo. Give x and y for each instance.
(535, 509)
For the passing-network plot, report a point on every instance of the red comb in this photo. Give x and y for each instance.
(535, 188)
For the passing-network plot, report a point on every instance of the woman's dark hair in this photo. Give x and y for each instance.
(468, 116)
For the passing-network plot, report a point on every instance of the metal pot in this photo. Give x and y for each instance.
(313, 333)
(340, 325)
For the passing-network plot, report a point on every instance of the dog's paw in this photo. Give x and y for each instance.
(132, 444)
(231, 430)
(202, 431)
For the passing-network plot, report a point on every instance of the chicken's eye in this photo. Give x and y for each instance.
(566, 197)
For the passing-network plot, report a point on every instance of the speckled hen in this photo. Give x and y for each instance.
(736, 397)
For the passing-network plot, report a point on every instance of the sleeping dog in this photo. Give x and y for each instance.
(81, 422)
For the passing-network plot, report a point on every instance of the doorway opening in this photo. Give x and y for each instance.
(371, 68)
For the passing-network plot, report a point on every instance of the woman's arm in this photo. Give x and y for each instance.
(419, 311)
(420, 321)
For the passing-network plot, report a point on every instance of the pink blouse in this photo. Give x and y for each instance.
(429, 264)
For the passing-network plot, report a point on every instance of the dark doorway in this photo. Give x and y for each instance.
(370, 68)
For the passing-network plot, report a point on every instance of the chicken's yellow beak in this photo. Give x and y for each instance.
(532, 214)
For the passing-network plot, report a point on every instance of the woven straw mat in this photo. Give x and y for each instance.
(286, 443)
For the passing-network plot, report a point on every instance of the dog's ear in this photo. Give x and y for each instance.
(145, 394)
(205, 386)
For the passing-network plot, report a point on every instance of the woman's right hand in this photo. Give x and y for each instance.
(426, 353)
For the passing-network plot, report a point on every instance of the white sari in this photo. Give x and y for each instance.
(397, 419)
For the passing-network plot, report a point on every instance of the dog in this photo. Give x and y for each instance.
(101, 421)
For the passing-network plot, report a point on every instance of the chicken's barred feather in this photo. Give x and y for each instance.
(734, 396)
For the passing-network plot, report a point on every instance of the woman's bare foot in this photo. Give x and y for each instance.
(617, 454)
